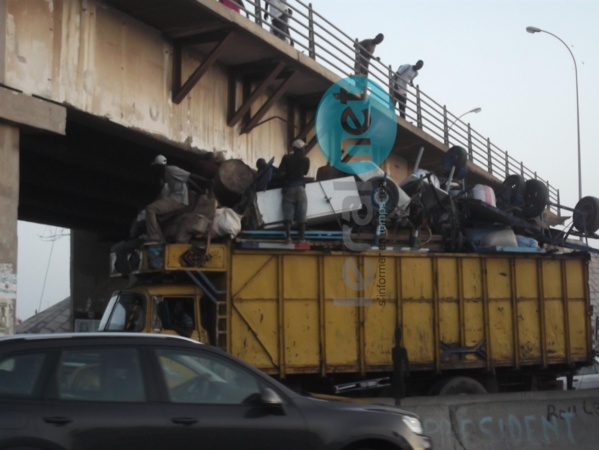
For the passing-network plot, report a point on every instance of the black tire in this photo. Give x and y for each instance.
(384, 189)
(536, 197)
(512, 190)
(455, 157)
(586, 215)
(458, 386)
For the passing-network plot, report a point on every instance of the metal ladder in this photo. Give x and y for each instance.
(216, 297)
(221, 325)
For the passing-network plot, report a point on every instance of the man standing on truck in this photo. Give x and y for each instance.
(295, 203)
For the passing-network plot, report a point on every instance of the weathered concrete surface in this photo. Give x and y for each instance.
(9, 204)
(22, 109)
(525, 420)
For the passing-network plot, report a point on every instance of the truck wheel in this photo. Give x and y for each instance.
(586, 215)
(458, 386)
(536, 197)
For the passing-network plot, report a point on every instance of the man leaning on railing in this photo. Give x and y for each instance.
(399, 84)
(364, 51)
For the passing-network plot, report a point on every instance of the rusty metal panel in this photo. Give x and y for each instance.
(330, 311)
(301, 313)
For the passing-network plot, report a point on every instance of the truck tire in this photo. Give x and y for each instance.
(458, 386)
(586, 215)
(536, 197)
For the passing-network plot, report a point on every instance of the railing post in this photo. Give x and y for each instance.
(311, 43)
(445, 127)
(357, 59)
(489, 159)
(559, 204)
(470, 151)
(391, 91)
(258, 11)
(521, 168)
(418, 108)
(507, 164)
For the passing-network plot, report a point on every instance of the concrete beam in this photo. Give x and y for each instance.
(21, 109)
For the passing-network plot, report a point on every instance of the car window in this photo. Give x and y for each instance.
(127, 313)
(588, 370)
(19, 373)
(112, 375)
(197, 377)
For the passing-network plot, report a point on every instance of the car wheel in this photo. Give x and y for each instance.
(384, 191)
(512, 190)
(536, 197)
(458, 386)
(455, 157)
(586, 215)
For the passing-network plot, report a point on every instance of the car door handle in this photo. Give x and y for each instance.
(184, 420)
(57, 420)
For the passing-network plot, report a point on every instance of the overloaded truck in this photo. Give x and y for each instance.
(325, 319)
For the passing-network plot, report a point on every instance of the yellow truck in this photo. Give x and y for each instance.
(459, 323)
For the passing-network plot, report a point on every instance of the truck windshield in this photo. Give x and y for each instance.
(125, 312)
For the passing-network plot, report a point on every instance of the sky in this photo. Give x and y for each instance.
(476, 53)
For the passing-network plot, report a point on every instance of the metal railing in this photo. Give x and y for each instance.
(313, 34)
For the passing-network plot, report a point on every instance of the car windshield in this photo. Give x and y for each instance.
(125, 312)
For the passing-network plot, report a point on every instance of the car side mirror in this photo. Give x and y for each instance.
(270, 400)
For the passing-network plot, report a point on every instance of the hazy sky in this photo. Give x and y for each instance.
(476, 53)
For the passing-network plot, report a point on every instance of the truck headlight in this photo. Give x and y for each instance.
(413, 424)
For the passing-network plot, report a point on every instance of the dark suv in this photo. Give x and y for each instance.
(151, 392)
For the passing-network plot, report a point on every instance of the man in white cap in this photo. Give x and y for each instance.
(177, 197)
(294, 167)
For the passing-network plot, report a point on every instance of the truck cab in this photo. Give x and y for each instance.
(145, 309)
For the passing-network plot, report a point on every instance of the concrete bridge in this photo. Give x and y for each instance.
(91, 91)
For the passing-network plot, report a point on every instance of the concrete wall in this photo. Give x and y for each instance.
(9, 203)
(528, 420)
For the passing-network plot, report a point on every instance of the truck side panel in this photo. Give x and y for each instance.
(324, 313)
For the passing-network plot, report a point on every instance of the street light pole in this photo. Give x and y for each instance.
(475, 111)
(533, 30)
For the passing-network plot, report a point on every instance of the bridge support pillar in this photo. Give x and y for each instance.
(9, 206)
(91, 284)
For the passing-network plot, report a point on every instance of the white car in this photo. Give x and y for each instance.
(585, 377)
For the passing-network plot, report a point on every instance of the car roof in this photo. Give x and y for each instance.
(94, 335)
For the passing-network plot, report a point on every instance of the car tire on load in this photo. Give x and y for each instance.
(458, 386)
(455, 157)
(536, 197)
(586, 215)
(512, 190)
(384, 190)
